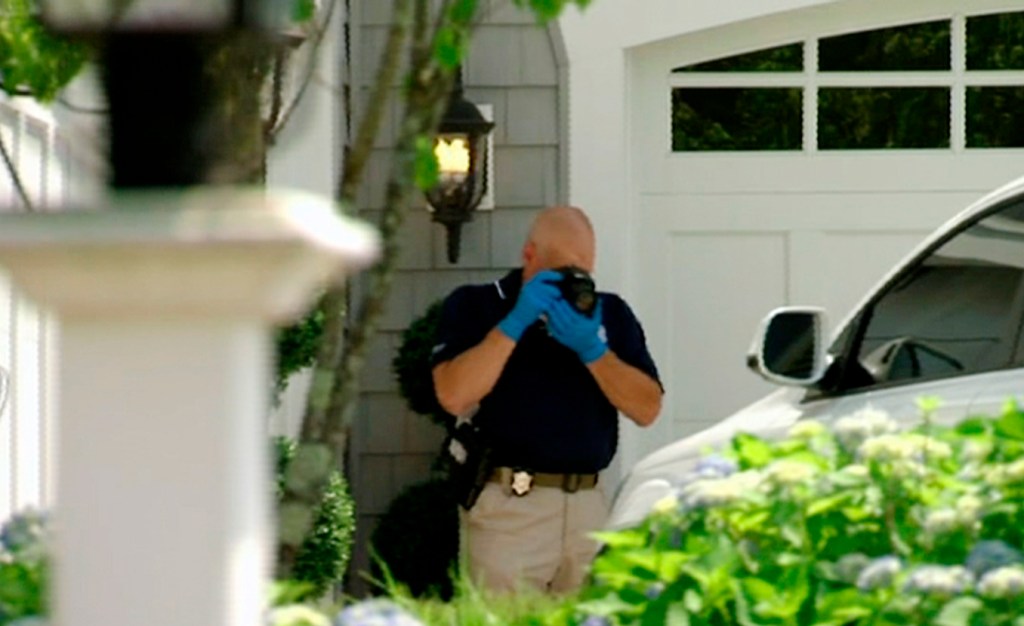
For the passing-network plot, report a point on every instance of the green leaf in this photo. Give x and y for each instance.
(677, 615)
(692, 601)
(449, 47)
(427, 169)
(630, 538)
(829, 503)
(974, 426)
(758, 589)
(303, 10)
(463, 11)
(752, 451)
(959, 611)
(1011, 423)
(609, 604)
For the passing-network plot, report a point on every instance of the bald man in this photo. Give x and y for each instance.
(545, 383)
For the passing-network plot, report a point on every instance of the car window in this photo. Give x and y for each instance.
(956, 312)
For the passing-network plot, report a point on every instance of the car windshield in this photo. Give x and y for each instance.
(956, 312)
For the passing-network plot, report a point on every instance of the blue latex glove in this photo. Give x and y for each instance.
(580, 333)
(535, 298)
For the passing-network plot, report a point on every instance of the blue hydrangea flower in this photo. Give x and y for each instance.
(879, 573)
(31, 620)
(992, 554)
(940, 580)
(595, 620)
(376, 612)
(654, 591)
(715, 466)
(25, 535)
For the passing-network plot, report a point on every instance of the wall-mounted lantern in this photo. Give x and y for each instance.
(461, 151)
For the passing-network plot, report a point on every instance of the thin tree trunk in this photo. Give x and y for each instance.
(322, 448)
(334, 393)
(15, 177)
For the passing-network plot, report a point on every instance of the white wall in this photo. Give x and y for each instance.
(28, 334)
(666, 221)
(306, 156)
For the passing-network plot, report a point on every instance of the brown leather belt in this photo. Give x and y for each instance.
(521, 481)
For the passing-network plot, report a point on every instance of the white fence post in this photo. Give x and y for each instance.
(165, 304)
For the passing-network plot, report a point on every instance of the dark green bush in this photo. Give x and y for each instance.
(417, 539)
(324, 555)
(412, 365)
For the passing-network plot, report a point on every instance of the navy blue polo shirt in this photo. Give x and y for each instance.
(546, 412)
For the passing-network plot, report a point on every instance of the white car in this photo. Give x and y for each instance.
(946, 322)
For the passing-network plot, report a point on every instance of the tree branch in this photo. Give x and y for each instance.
(307, 77)
(15, 177)
(333, 305)
(427, 97)
(359, 154)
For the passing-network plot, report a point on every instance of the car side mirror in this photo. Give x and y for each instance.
(789, 348)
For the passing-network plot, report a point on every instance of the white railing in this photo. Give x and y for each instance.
(27, 333)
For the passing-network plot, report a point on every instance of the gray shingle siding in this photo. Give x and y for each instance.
(513, 65)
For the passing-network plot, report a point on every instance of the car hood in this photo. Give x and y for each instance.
(656, 475)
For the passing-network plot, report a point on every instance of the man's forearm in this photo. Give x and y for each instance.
(463, 381)
(635, 394)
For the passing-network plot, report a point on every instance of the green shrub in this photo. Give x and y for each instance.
(849, 526)
(412, 366)
(417, 539)
(24, 567)
(296, 347)
(324, 555)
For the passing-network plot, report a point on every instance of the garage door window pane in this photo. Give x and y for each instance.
(705, 119)
(957, 313)
(788, 58)
(883, 118)
(917, 47)
(993, 117)
(995, 42)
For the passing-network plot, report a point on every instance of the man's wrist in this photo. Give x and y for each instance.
(511, 328)
(593, 352)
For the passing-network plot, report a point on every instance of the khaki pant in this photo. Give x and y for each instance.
(538, 540)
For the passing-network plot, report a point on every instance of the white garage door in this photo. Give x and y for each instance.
(798, 168)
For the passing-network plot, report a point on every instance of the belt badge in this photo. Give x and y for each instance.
(522, 482)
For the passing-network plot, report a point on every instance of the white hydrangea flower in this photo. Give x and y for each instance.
(853, 429)
(850, 566)
(880, 572)
(786, 472)
(712, 492)
(1002, 583)
(806, 429)
(1015, 471)
(666, 504)
(940, 580)
(968, 508)
(903, 447)
(996, 475)
(942, 521)
(976, 450)
(296, 615)
(857, 470)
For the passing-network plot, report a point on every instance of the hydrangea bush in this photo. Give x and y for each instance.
(24, 550)
(852, 525)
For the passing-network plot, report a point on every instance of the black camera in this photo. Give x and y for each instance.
(578, 289)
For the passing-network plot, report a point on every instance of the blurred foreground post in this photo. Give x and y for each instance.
(163, 510)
